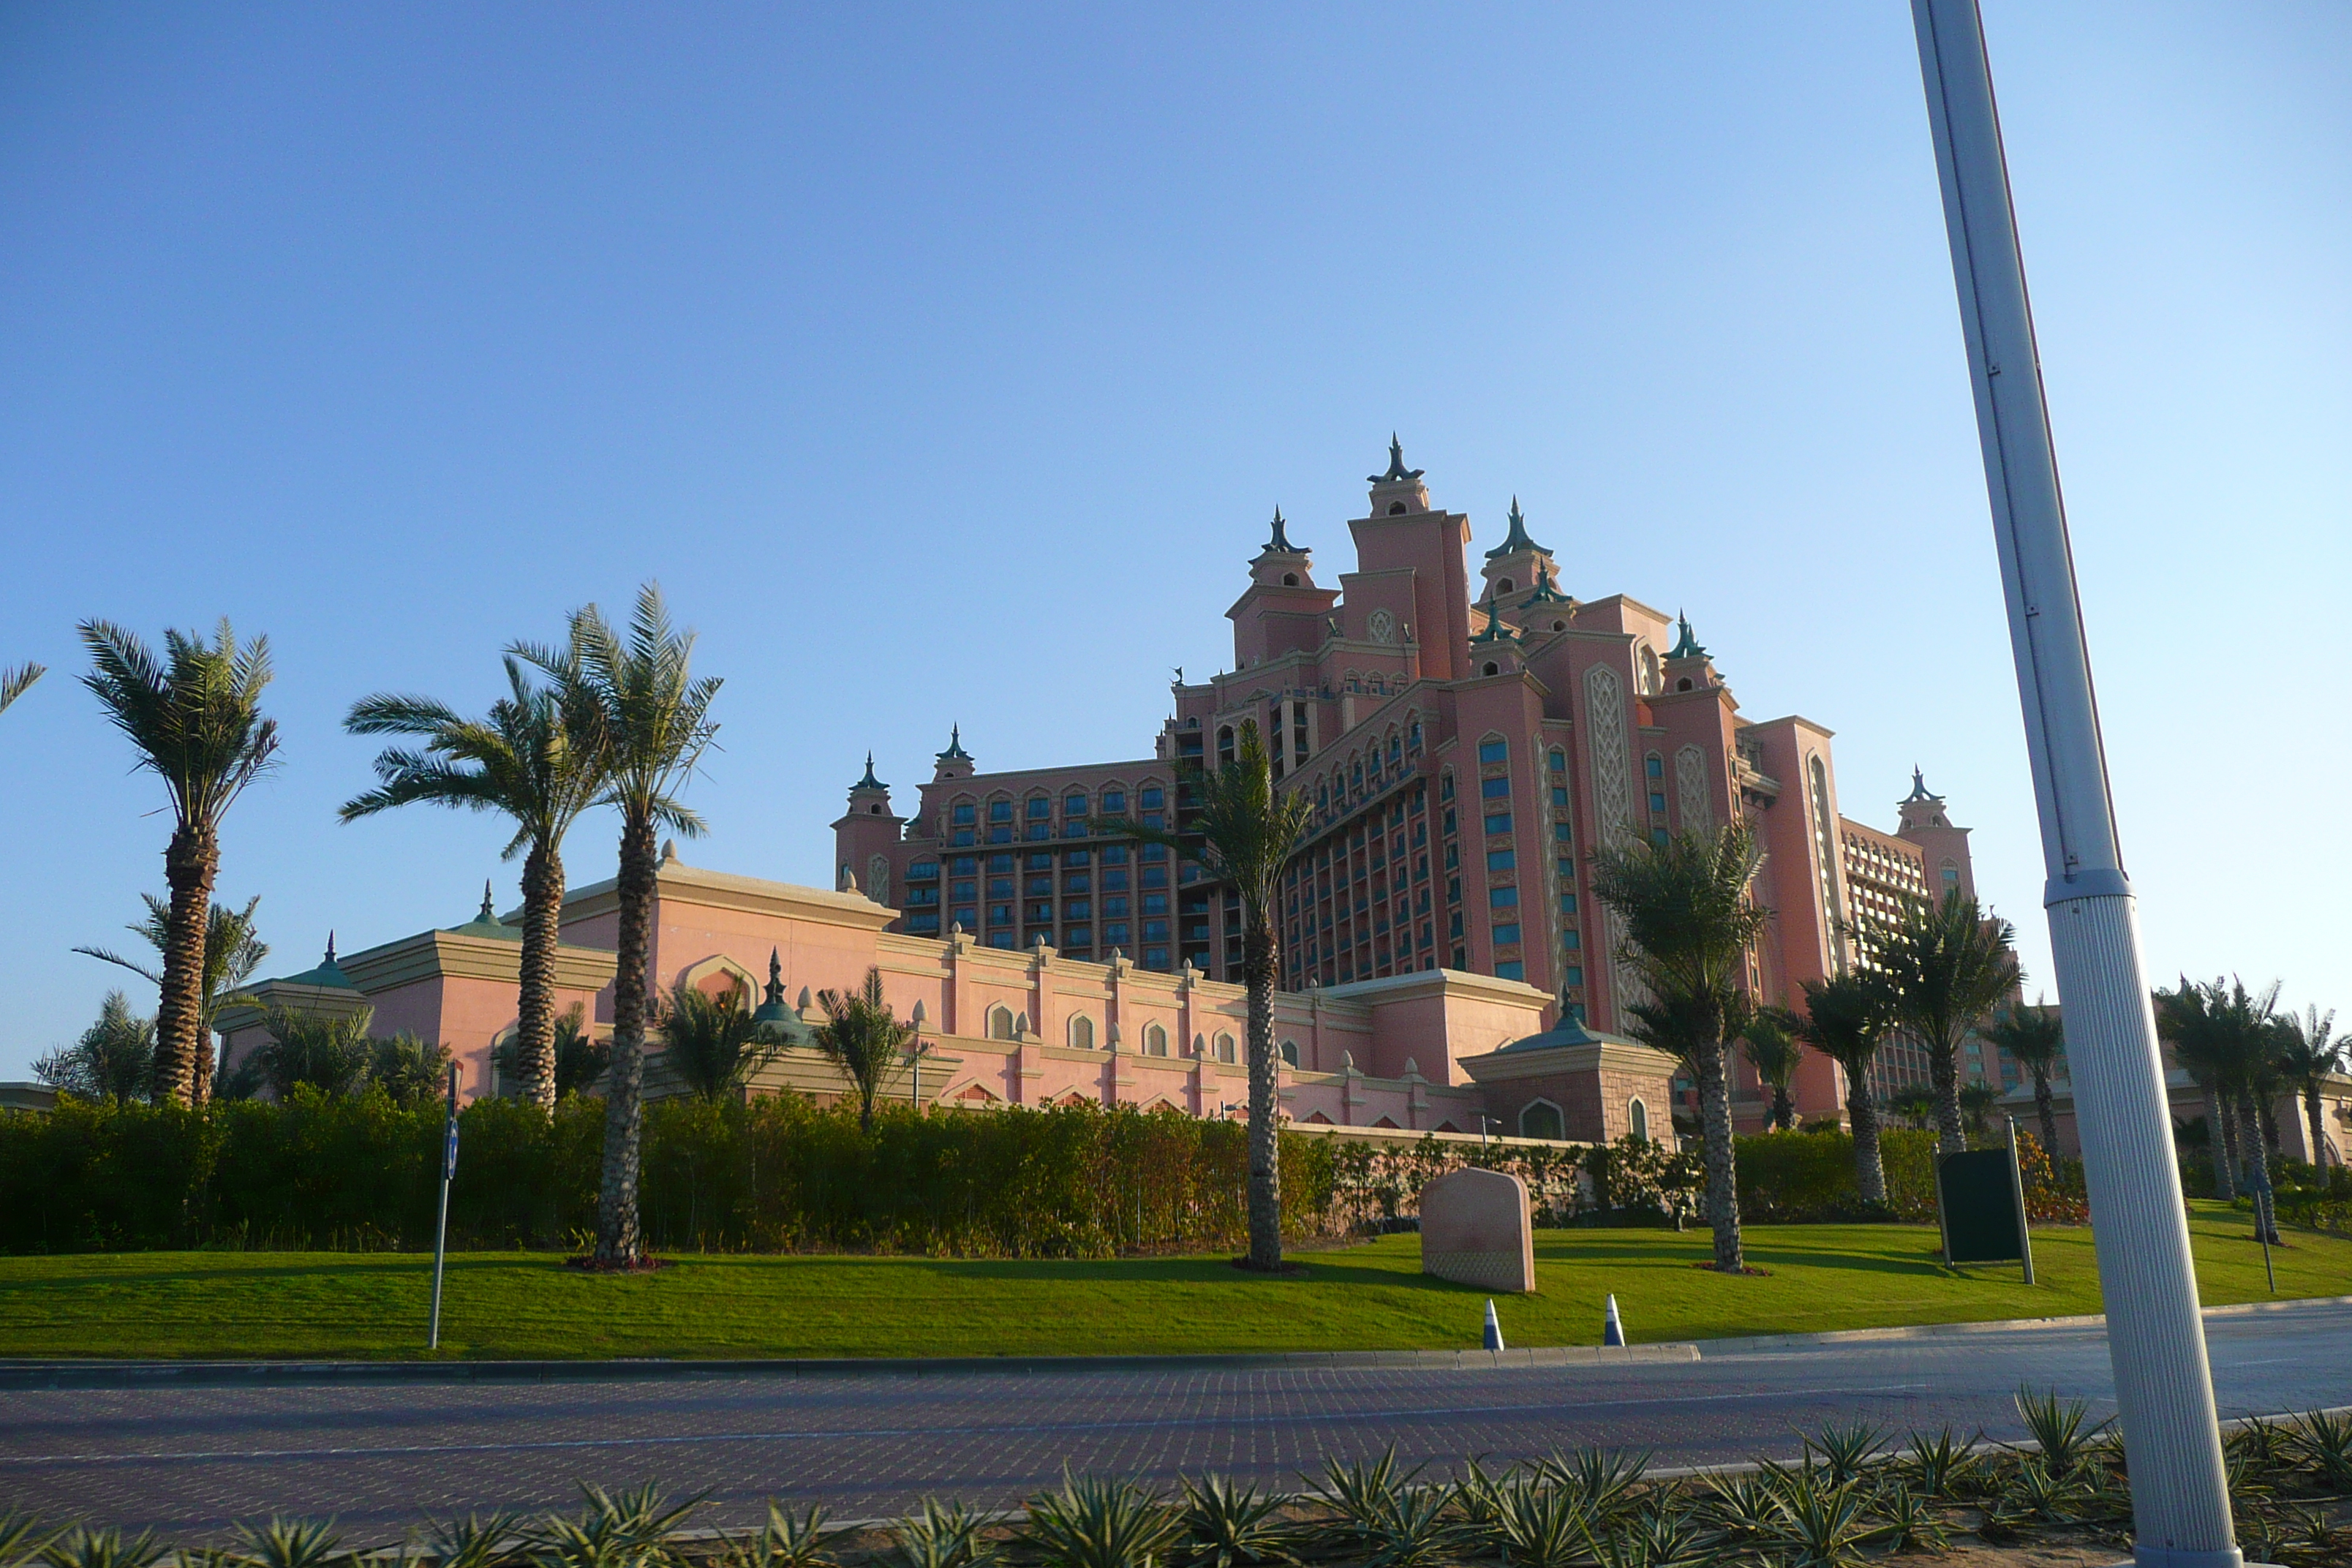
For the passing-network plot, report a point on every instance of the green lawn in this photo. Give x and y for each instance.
(1373, 1297)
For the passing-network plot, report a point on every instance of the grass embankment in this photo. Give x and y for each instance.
(234, 1305)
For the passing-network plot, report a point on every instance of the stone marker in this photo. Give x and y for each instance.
(1475, 1230)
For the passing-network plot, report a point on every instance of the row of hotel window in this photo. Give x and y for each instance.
(1037, 825)
(1134, 902)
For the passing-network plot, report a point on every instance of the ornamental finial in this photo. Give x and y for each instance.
(1398, 473)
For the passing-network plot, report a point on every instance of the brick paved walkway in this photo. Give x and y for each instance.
(381, 1457)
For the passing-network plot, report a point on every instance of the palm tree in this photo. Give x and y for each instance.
(579, 1056)
(233, 951)
(115, 1058)
(1976, 1101)
(646, 715)
(711, 1042)
(1689, 923)
(1845, 1018)
(530, 760)
(2245, 1023)
(333, 1056)
(1770, 1045)
(1949, 964)
(1915, 1103)
(2184, 1023)
(2309, 1053)
(1244, 832)
(2035, 1039)
(15, 683)
(865, 1042)
(411, 1070)
(196, 718)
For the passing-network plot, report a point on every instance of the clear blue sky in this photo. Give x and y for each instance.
(945, 364)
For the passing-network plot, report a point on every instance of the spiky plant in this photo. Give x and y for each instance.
(863, 1041)
(476, 1540)
(291, 1543)
(1947, 966)
(1906, 1524)
(1845, 1018)
(1845, 1452)
(2323, 1440)
(2036, 1038)
(194, 718)
(83, 1547)
(1537, 1526)
(534, 759)
(1244, 832)
(1231, 1524)
(2058, 1428)
(22, 1536)
(1094, 1522)
(113, 1060)
(634, 699)
(1366, 1491)
(1943, 1465)
(1689, 923)
(786, 1540)
(1605, 1482)
(942, 1535)
(1823, 1523)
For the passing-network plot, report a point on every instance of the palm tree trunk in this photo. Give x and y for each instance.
(1869, 1169)
(2258, 1169)
(619, 1239)
(190, 863)
(542, 917)
(1783, 1113)
(2047, 1110)
(1944, 1073)
(1264, 1136)
(1722, 1179)
(2322, 1153)
(2223, 1144)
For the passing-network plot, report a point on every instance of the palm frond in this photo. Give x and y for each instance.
(17, 681)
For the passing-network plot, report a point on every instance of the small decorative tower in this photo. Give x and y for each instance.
(1925, 822)
(866, 838)
(1513, 567)
(1400, 490)
(955, 763)
(1688, 667)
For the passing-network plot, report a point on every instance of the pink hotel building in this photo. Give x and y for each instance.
(1463, 750)
(1446, 968)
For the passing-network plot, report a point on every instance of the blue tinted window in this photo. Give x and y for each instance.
(1114, 801)
(1000, 811)
(1494, 750)
(1154, 797)
(1514, 970)
(1495, 789)
(1501, 859)
(1503, 898)
(964, 816)
(1505, 935)
(1498, 824)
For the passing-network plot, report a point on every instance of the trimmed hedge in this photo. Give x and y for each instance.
(776, 1174)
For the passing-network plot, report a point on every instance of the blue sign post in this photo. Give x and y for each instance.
(441, 1226)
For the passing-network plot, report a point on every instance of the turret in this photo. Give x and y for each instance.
(1925, 822)
(865, 836)
(955, 763)
(1513, 567)
(1688, 666)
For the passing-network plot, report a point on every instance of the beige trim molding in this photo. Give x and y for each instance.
(1502, 1067)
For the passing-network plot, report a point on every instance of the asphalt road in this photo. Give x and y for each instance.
(188, 1461)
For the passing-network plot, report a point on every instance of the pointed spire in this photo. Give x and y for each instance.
(870, 781)
(1515, 542)
(331, 947)
(1398, 473)
(954, 753)
(775, 976)
(1497, 629)
(1688, 646)
(1545, 593)
(1919, 790)
(487, 915)
(1280, 544)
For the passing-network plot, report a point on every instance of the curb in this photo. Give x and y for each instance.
(46, 1375)
(1752, 1342)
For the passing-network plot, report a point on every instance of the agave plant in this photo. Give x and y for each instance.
(786, 1540)
(942, 1535)
(1944, 1466)
(1604, 1481)
(1537, 1526)
(1365, 1493)
(1823, 1523)
(2057, 1426)
(476, 1540)
(1416, 1529)
(1093, 1522)
(1660, 1535)
(85, 1548)
(1845, 1452)
(291, 1543)
(1906, 1523)
(2323, 1441)
(2268, 1448)
(1229, 1524)
(616, 1530)
(1745, 1506)
(21, 1536)
(2043, 1492)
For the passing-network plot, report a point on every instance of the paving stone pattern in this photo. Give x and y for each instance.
(382, 1457)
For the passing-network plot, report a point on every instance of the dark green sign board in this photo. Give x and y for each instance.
(1981, 1204)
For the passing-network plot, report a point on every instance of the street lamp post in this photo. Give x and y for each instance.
(2180, 1504)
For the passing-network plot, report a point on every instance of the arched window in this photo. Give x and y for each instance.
(1225, 744)
(1081, 1032)
(1637, 1119)
(1000, 1023)
(1225, 1046)
(1290, 1052)
(1541, 1118)
(1396, 748)
(1558, 760)
(1502, 585)
(1648, 670)
(1155, 1040)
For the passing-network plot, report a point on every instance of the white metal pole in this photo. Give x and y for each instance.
(441, 1225)
(2181, 1503)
